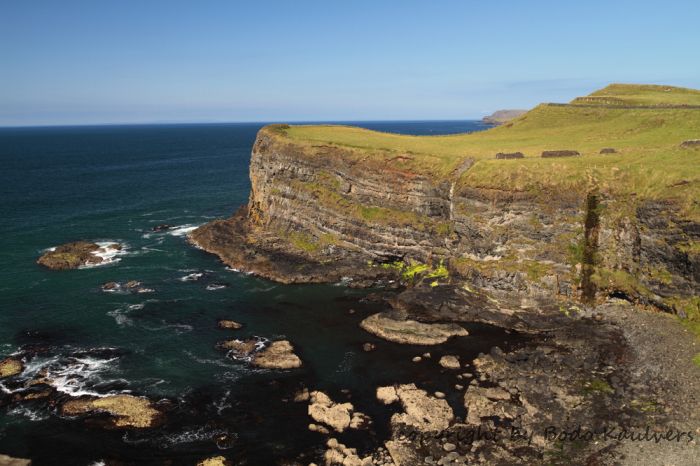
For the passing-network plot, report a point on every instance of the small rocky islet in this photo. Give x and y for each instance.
(75, 255)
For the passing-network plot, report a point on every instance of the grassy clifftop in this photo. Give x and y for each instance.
(641, 95)
(649, 162)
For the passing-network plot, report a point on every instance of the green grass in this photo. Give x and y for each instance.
(649, 162)
(642, 94)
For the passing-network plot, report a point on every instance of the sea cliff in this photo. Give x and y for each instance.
(578, 242)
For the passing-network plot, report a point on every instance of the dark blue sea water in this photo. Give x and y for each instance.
(114, 184)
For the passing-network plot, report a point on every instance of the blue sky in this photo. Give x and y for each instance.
(89, 62)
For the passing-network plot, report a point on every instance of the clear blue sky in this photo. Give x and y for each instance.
(87, 62)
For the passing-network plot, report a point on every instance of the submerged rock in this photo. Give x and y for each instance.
(124, 410)
(279, 355)
(410, 332)
(10, 367)
(72, 255)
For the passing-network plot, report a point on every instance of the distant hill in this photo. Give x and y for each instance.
(502, 116)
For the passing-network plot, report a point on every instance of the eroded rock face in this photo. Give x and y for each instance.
(410, 332)
(73, 255)
(124, 410)
(10, 367)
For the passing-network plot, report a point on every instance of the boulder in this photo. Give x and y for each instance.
(278, 355)
(229, 324)
(608, 150)
(10, 367)
(410, 332)
(560, 153)
(450, 362)
(124, 410)
(387, 395)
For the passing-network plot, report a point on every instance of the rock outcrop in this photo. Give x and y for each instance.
(410, 332)
(72, 255)
(10, 367)
(338, 416)
(278, 355)
(124, 410)
(420, 410)
(560, 153)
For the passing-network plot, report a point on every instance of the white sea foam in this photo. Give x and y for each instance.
(213, 362)
(28, 413)
(72, 375)
(235, 270)
(182, 230)
(107, 253)
(192, 277)
(215, 287)
(121, 317)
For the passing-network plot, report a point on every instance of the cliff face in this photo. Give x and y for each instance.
(321, 213)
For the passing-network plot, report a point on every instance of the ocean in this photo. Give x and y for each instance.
(115, 184)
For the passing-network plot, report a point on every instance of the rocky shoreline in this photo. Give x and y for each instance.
(579, 392)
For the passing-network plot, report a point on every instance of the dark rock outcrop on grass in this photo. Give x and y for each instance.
(509, 155)
(559, 153)
(691, 144)
(608, 150)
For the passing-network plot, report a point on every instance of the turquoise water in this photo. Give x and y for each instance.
(115, 183)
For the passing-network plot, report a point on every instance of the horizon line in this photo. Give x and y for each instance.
(250, 122)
